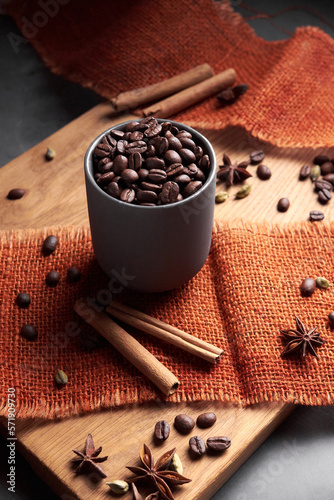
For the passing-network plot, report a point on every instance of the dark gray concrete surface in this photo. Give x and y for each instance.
(297, 460)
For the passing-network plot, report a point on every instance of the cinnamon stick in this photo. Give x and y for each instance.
(163, 331)
(129, 347)
(138, 97)
(191, 95)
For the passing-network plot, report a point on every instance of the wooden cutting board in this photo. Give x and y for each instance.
(55, 194)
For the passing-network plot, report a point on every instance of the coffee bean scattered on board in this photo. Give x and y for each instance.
(197, 446)
(50, 244)
(52, 278)
(23, 300)
(316, 215)
(15, 194)
(29, 332)
(184, 423)
(256, 157)
(263, 172)
(218, 443)
(161, 430)
(206, 419)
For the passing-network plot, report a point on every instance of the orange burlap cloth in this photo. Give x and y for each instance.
(124, 44)
(247, 291)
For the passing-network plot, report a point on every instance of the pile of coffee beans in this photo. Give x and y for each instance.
(150, 163)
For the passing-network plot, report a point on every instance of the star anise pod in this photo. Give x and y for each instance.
(158, 473)
(89, 459)
(137, 495)
(233, 173)
(301, 338)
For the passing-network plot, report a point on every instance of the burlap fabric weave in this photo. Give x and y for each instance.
(247, 291)
(124, 44)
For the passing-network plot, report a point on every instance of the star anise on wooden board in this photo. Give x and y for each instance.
(89, 460)
(233, 173)
(158, 473)
(301, 339)
(138, 496)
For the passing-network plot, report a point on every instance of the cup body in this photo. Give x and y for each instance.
(151, 249)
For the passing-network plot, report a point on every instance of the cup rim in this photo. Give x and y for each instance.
(88, 166)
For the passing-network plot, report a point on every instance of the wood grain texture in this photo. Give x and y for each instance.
(55, 194)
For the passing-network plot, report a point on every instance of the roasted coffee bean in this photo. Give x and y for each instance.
(130, 127)
(113, 190)
(283, 204)
(307, 287)
(143, 173)
(187, 142)
(161, 430)
(329, 178)
(256, 157)
(218, 443)
(154, 162)
(197, 446)
(200, 176)
(171, 156)
(15, 194)
(73, 275)
(136, 136)
(128, 195)
(153, 130)
(192, 188)
(323, 184)
(150, 151)
(120, 163)
(191, 170)
(175, 169)
(129, 175)
(102, 164)
(198, 152)
(324, 195)
(111, 141)
(117, 134)
(29, 332)
(204, 163)
(106, 167)
(184, 423)
(23, 300)
(122, 145)
(173, 142)
(144, 196)
(149, 186)
(263, 172)
(183, 133)
(52, 278)
(320, 159)
(304, 172)
(157, 175)
(135, 161)
(187, 155)
(162, 146)
(182, 179)
(206, 420)
(50, 244)
(169, 193)
(316, 215)
(327, 168)
(105, 179)
(136, 147)
(103, 150)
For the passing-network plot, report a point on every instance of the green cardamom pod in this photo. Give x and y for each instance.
(118, 486)
(244, 191)
(315, 173)
(322, 282)
(221, 197)
(61, 377)
(50, 154)
(176, 464)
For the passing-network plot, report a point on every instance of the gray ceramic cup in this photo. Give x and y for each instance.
(151, 249)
